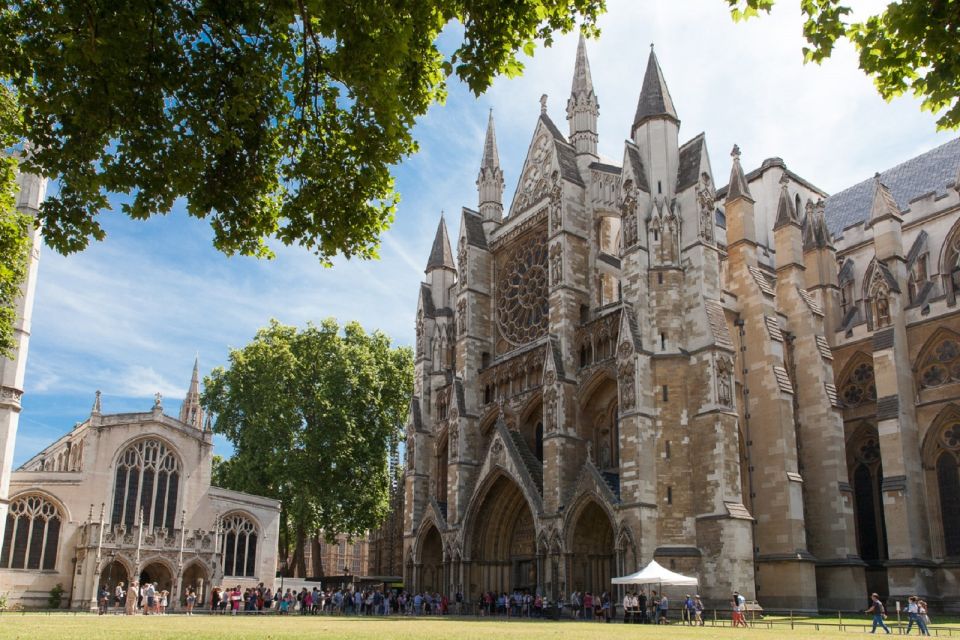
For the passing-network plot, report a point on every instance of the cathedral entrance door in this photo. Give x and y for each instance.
(431, 562)
(592, 560)
(195, 577)
(502, 541)
(157, 574)
(112, 575)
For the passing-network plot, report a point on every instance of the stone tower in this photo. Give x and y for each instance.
(31, 191)
(190, 411)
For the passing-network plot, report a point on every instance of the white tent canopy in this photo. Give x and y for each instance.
(653, 573)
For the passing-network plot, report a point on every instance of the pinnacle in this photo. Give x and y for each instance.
(655, 100)
(491, 158)
(786, 212)
(738, 183)
(582, 80)
(883, 202)
(441, 257)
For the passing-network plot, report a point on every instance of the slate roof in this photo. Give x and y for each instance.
(639, 173)
(474, 228)
(930, 172)
(441, 257)
(688, 168)
(566, 154)
(655, 100)
(429, 311)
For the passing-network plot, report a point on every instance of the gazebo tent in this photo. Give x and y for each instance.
(653, 573)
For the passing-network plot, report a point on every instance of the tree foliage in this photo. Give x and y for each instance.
(910, 46)
(310, 414)
(272, 119)
(14, 226)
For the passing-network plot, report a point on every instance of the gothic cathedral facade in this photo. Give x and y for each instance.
(753, 384)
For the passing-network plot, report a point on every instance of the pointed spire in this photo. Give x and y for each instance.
(883, 203)
(583, 109)
(824, 237)
(490, 179)
(786, 212)
(737, 187)
(441, 257)
(96, 410)
(582, 81)
(655, 100)
(190, 411)
(491, 157)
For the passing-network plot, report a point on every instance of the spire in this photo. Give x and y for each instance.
(490, 179)
(786, 212)
(655, 100)
(96, 410)
(582, 82)
(441, 257)
(190, 411)
(491, 157)
(582, 107)
(737, 187)
(883, 203)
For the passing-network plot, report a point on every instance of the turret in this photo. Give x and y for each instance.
(582, 107)
(656, 128)
(490, 181)
(441, 270)
(191, 412)
(741, 229)
(787, 233)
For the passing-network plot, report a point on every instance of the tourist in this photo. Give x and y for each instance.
(688, 610)
(235, 597)
(150, 596)
(191, 600)
(641, 607)
(879, 614)
(103, 600)
(737, 605)
(922, 606)
(655, 606)
(130, 606)
(664, 609)
(118, 596)
(698, 610)
(162, 602)
(913, 613)
(606, 607)
(629, 601)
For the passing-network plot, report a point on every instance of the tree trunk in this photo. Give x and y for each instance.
(298, 561)
(316, 559)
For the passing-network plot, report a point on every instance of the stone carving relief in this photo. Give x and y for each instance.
(462, 262)
(536, 176)
(628, 394)
(453, 441)
(625, 350)
(419, 330)
(705, 199)
(628, 211)
(550, 410)
(462, 317)
(556, 204)
(556, 264)
(724, 380)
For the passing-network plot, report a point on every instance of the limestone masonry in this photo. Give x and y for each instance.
(755, 384)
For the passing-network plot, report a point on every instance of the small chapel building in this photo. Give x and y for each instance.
(128, 496)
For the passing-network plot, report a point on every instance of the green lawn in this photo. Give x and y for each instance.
(90, 627)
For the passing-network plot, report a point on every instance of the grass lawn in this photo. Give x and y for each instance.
(90, 627)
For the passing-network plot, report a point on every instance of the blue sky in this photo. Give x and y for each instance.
(128, 315)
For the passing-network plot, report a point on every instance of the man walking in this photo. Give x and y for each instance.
(876, 608)
(913, 612)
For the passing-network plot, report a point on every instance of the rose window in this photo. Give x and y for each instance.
(859, 387)
(951, 437)
(941, 364)
(522, 304)
(870, 451)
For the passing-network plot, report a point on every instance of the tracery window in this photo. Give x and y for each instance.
(148, 479)
(523, 309)
(948, 483)
(866, 476)
(239, 546)
(859, 387)
(941, 364)
(32, 536)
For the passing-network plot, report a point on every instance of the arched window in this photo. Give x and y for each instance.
(148, 479)
(939, 362)
(239, 546)
(866, 476)
(538, 441)
(858, 386)
(32, 536)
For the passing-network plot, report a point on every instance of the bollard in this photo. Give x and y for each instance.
(840, 619)
(791, 619)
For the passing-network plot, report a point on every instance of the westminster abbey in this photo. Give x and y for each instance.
(755, 383)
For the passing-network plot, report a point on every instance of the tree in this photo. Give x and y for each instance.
(14, 226)
(272, 119)
(912, 45)
(310, 414)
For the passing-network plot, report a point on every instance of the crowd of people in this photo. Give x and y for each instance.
(146, 599)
